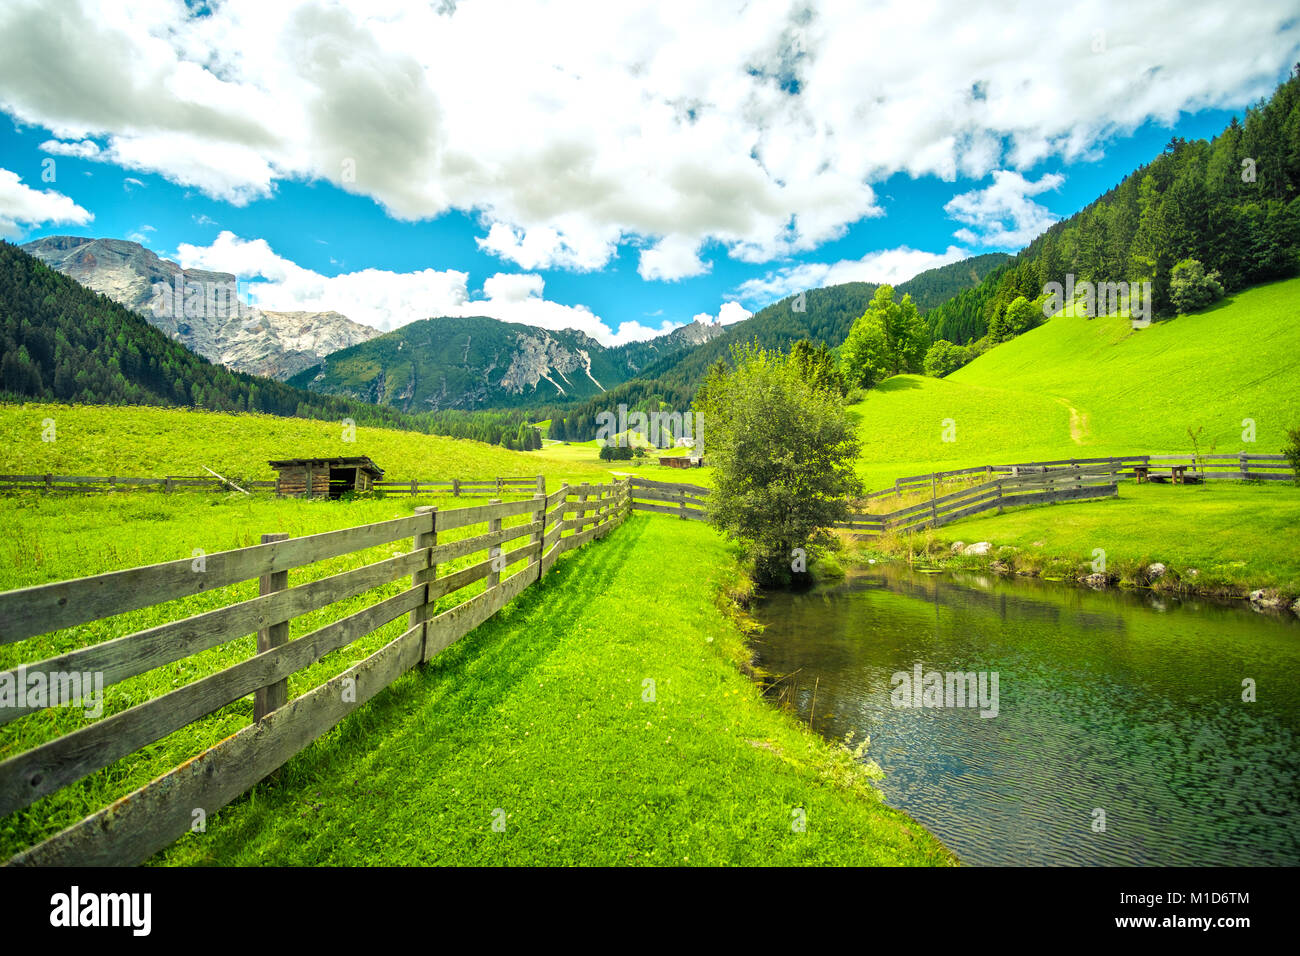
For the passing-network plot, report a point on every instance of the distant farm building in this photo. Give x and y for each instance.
(681, 461)
(325, 477)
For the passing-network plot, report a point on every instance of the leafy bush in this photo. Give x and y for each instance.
(945, 357)
(1292, 451)
(1191, 288)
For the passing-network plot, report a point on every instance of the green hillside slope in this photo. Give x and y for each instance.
(150, 442)
(1087, 387)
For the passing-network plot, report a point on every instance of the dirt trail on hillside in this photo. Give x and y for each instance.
(1078, 423)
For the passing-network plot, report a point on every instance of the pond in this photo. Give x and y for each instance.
(1112, 728)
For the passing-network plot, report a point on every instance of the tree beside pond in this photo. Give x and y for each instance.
(783, 452)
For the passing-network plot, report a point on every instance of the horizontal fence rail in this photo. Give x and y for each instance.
(456, 487)
(541, 528)
(1029, 487)
(681, 500)
(1209, 466)
(1003, 486)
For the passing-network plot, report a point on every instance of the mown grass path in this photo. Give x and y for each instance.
(540, 719)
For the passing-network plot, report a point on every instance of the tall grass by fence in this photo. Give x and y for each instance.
(136, 826)
(456, 487)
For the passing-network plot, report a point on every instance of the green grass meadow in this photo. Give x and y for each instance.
(543, 719)
(143, 441)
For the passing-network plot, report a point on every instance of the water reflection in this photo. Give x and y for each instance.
(1126, 703)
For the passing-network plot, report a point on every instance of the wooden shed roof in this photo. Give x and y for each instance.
(357, 461)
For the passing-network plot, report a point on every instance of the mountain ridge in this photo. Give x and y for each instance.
(199, 308)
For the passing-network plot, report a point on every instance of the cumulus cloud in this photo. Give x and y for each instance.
(22, 207)
(728, 314)
(1002, 214)
(675, 257)
(891, 266)
(636, 332)
(388, 300)
(758, 127)
(84, 149)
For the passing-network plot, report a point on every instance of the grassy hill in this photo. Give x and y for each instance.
(144, 441)
(1089, 387)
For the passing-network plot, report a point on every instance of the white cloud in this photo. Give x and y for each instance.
(672, 258)
(728, 314)
(85, 149)
(892, 266)
(1002, 214)
(388, 300)
(670, 125)
(22, 207)
(636, 332)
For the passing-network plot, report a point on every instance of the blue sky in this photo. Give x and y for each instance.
(727, 182)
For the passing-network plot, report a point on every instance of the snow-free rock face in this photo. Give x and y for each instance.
(202, 310)
(1156, 570)
(979, 547)
(541, 356)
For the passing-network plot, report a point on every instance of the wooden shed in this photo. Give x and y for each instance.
(325, 477)
(681, 461)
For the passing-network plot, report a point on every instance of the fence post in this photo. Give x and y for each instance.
(413, 482)
(1245, 467)
(538, 538)
(498, 486)
(455, 487)
(494, 524)
(49, 482)
(425, 575)
(681, 504)
(564, 500)
(541, 484)
(273, 696)
(167, 486)
(583, 493)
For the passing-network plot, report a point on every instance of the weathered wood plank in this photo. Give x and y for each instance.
(51, 766)
(450, 583)
(452, 550)
(460, 517)
(142, 651)
(664, 509)
(137, 826)
(51, 607)
(668, 486)
(273, 696)
(654, 494)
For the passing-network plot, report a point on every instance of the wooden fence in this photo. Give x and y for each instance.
(681, 500)
(1209, 467)
(456, 487)
(1029, 487)
(138, 825)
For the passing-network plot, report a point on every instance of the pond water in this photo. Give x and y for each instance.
(1120, 735)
